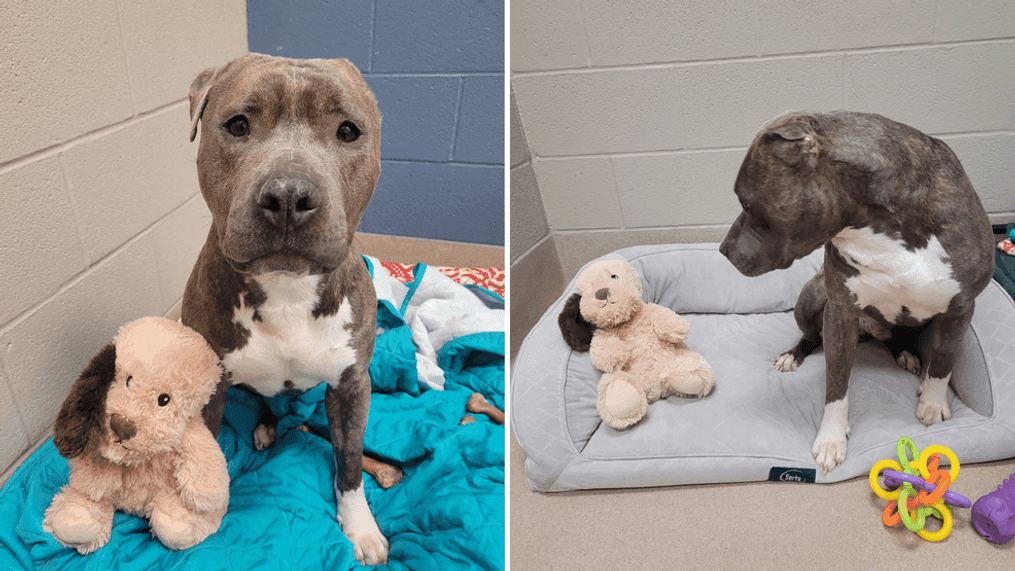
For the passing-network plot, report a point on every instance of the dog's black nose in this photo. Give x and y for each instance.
(288, 201)
(122, 427)
(603, 293)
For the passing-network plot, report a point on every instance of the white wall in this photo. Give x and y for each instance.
(101, 218)
(637, 114)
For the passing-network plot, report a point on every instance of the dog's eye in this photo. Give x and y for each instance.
(348, 132)
(129, 379)
(745, 206)
(238, 126)
(163, 399)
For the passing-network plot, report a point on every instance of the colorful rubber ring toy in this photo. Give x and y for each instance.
(919, 487)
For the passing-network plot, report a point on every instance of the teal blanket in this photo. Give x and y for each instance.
(447, 512)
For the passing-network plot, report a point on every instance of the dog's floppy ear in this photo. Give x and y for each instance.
(198, 95)
(84, 408)
(794, 142)
(576, 330)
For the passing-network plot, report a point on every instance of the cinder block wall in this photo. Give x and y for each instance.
(637, 114)
(437, 69)
(101, 217)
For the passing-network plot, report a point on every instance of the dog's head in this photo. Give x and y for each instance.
(288, 160)
(788, 188)
(607, 294)
(138, 393)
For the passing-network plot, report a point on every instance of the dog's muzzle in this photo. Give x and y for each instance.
(288, 202)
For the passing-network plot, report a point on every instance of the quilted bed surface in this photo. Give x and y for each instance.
(757, 418)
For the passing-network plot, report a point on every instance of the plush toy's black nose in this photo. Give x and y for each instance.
(122, 427)
(603, 293)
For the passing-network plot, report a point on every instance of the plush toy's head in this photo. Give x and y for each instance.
(607, 294)
(137, 394)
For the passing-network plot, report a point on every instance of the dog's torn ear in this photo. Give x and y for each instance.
(198, 96)
(82, 413)
(794, 142)
(576, 331)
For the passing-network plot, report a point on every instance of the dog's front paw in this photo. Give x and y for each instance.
(358, 523)
(264, 436)
(829, 454)
(933, 407)
(909, 362)
(786, 362)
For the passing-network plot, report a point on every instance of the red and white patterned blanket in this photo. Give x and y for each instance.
(489, 278)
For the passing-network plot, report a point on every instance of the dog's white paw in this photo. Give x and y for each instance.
(829, 454)
(358, 523)
(933, 407)
(909, 362)
(264, 436)
(786, 363)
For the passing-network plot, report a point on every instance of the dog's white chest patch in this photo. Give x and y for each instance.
(892, 277)
(288, 343)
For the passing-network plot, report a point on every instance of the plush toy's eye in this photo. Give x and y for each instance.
(163, 399)
(614, 277)
(129, 378)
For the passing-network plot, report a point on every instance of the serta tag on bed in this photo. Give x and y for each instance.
(777, 474)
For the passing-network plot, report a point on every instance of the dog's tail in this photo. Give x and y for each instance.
(576, 331)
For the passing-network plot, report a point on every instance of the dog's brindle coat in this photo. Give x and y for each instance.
(288, 160)
(908, 247)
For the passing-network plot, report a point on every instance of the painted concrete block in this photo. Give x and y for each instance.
(684, 189)
(989, 162)
(64, 73)
(191, 35)
(937, 90)
(650, 32)
(45, 352)
(725, 104)
(178, 241)
(418, 116)
(964, 20)
(480, 133)
(125, 181)
(38, 241)
(15, 439)
(601, 112)
(818, 25)
(528, 218)
(547, 35)
(460, 203)
(438, 36)
(519, 148)
(320, 30)
(579, 193)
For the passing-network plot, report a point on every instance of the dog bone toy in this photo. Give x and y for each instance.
(994, 513)
(912, 507)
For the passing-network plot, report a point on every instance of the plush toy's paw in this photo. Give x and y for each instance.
(620, 404)
(264, 436)
(369, 545)
(78, 522)
(178, 528)
(909, 362)
(933, 407)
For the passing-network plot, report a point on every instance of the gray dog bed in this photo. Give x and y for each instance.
(758, 422)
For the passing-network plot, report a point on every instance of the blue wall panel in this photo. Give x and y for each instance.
(437, 69)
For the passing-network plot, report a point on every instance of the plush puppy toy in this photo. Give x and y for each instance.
(639, 346)
(132, 431)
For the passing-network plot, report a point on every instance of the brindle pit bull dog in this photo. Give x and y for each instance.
(908, 247)
(288, 160)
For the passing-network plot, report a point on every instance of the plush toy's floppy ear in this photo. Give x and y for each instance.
(576, 331)
(85, 406)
